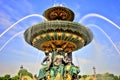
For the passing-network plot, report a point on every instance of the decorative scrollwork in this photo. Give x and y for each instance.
(59, 13)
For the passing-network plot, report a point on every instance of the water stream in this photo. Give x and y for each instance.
(32, 15)
(99, 16)
(93, 25)
(21, 32)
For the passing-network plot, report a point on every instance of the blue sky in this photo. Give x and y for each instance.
(101, 15)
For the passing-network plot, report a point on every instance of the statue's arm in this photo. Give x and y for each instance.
(43, 60)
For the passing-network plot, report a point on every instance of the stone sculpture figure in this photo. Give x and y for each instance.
(47, 60)
(44, 71)
(59, 61)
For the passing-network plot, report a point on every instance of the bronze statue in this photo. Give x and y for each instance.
(47, 60)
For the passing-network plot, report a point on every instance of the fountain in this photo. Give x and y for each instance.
(58, 38)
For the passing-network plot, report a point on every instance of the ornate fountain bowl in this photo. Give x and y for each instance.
(59, 13)
(47, 36)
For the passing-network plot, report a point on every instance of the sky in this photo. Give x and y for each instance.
(102, 17)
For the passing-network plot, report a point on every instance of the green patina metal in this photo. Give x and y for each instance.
(58, 36)
(56, 27)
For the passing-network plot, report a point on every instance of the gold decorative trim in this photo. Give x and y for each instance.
(52, 43)
(65, 45)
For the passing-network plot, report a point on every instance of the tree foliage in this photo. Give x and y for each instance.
(16, 77)
(105, 76)
(24, 72)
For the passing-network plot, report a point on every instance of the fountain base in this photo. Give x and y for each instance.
(58, 66)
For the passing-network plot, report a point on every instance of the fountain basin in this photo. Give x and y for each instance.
(53, 34)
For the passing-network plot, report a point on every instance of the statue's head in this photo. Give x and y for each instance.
(46, 52)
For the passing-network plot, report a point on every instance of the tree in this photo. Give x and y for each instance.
(116, 78)
(89, 78)
(7, 77)
(119, 78)
(15, 77)
(84, 76)
(24, 72)
(2, 78)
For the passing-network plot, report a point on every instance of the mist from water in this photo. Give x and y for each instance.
(93, 25)
(96, 26)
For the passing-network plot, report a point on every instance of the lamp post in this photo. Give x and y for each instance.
(21, 67)
(94, 70)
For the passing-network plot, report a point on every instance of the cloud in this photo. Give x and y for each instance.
(29, 6)
(23, 6)
(13, 12)
(106, 57)
(22, 53)
(15, 67)
(82, 60)
(32, 67)
(77, 12)
(101, 55)
(5, 20)
(5, 70)
(118, 45)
